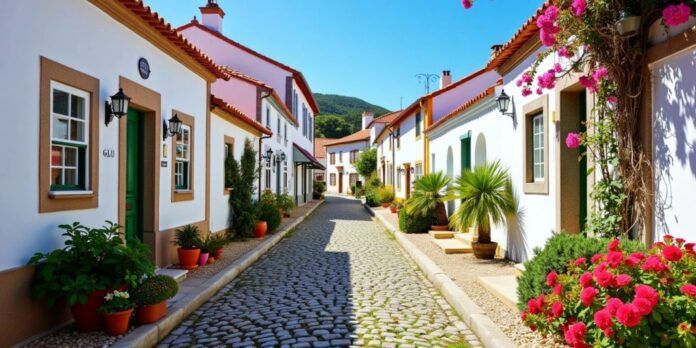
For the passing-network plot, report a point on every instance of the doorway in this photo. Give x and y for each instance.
(134, 178)
(277, 170)
(340, 182)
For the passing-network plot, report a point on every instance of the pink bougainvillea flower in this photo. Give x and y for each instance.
(654, 264)
(526, 92)
(675, 15)
(587, 295)
(575, 335)
(557, 67)
(467, 3)
(613, 99)
(622, 280)
(628, 315)
(586, 280)
(551, 278)
(647, 292)
(565, 52)
(614, 258)
(547, 80)
(556, 309)
(640, 256)
(602, 319)
(580, 260)
(600, 74)
(548, 27)
(578, 7)
(605, 279)
(632, 261)
(573, 140)
(539, 91)
(613, 305)
(672, 253)
(613, 245)
(688, 289)
(589, 83)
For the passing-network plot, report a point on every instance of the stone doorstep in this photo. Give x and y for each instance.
(453, 246)
(178, 274)
(441, 234)
(465, 237)
(502, 287)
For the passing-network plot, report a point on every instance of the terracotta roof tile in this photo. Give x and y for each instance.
(355, 137)
(230, 109)
(386, 118)
(320, 146)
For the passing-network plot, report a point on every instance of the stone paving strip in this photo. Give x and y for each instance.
(338, 281)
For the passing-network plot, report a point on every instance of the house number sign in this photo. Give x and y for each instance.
(109, 153)
(144, 68)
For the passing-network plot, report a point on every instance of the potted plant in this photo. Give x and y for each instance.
(217, 244)
(267, 214)
(428, 198)
(487, 198)
(285, 204)
(117, 309)
(384, 195)
(189, 241)
(151, 298)
(93, 262)
(396, 205)
(206, 249)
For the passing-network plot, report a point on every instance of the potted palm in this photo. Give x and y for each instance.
(428, 198)
(117, 310)
(217, 243)
(487, 198)
(189, 242)
(151, 298)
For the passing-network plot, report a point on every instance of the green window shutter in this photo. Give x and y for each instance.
(466, 151)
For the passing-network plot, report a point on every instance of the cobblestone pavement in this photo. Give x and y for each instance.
(339, 280)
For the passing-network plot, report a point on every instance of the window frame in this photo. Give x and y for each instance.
(332, 158)
(533, 110)
(419, 119)
(332, 179)
(178, 194)
(228, 145)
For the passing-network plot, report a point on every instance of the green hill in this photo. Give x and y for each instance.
(341, 115)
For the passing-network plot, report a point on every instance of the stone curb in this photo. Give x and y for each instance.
(149, 335)
(488, 332)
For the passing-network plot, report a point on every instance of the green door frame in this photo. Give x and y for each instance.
(134, 177)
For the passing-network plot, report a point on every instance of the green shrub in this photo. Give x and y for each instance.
(384, 194)
(558, 252)
(154, 290)
(409, 223)
(319, 189)
(268, 211)
(370, 198)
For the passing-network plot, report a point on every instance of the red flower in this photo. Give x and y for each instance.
(653, 263)
(586, 280)
(595, 258)
(647, 292)
(622, 280)
(556, 309)
(689, 246)
(587, 295)
(638, 255)
(631, 261)
(523, 316)
(602, 319)
(668, 238)
(643, 305)
(680, 241)
(659, 245)
(614, 245)
(604, 279)
(580, 261)
(628, 315)
(575, 335)
(675, 15)
(613, 305)
(672, 253)
(614, 258)
(558, 289)
(688, 289)
(551, 278)
(535, 305)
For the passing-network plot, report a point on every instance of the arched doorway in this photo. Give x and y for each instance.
(480, 150)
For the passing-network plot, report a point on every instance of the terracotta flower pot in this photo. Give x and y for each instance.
(203, 259)
(217, 253)
(260, 229)
(188, 258)
(117, 323)
(211, 260)
(147, 314)
(439, 228)
(393, 209)
(86, 315)
(385, 205)
(484, 251)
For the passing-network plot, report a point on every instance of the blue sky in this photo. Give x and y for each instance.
(370, 49)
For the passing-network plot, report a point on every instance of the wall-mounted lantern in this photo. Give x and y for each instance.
(627, 23)
(280, 157)
(118, 106)
(268, 156)
(173, 129)
(504, 102)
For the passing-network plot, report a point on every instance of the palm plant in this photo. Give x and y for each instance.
(429, 196)
(486, 196)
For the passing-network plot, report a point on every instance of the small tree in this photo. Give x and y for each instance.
(242, 208)
(367, 162)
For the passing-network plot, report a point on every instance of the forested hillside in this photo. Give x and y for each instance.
(341, 115)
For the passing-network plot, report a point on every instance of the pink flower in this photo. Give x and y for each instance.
(613, 305)
(467, 3)
(688, 289)
(547, 80)
(675, 15)
(539, 91)
(672, 253)
(557, 67)
(578, 7)
(647, 292)
(613, 99)
(548, 27)
(580, 260)
(575, 335)
(628, 315)
(558, 289)
(535, 305)
(596, 258)
(602, 319)
(613, 245)
(587, 295)
(556, 309)
(527, 78)
(604, 279)
(586, 280)
(614, 258)
(622, 280)
(526, 92)
(573, 140)
(551, 278)
(654, 264)
(600, 73)
(640, 256)
(565, 52)
(589, 82)
(643, 305)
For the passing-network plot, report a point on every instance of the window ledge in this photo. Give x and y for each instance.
(183, 191)
(70, 194)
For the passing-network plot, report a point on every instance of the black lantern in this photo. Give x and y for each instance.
(173, 129)
(283, 157)
(627, 23)
(268, 157)
(503, 101)
(118, 106)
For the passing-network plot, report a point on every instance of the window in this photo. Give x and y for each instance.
(279, 134)
(353, 156)
(285, 132)
(340, 156)
(352, 179)
(390, 174)
(310, 128)
(228, 156)
(332, 158)
(332, 179)
(285, 180)
(418, 124)
(398, 137)
(182, 171)
(267, 177)
(538, 147)
(398, 179)
(69, 138)
(536, 151)
(320, 177)
(419, 170)
(268, 118)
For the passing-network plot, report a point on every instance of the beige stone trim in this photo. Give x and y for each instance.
(531, 109)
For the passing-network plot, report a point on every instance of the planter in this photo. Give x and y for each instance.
(385, 205)
(394, 210)
(211, 260)
(148, 314)
(260, 229)
(188, 258)
(117, 323)
(86, 315)
(217, 253)
(484, 251)
(286, 214)
(439, 228)
(203, 259)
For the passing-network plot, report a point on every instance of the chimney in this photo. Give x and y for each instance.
(212, 16)
(367, 117)
(446, 79)
(495, 49)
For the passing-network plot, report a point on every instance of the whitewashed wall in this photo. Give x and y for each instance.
(107, 51)
(409, 151)
(446, 102)
(348, 168)
(278, 143)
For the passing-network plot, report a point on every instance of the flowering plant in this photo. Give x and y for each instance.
(116, 301)
(622, 299)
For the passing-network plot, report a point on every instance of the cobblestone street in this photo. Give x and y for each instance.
(339, 280)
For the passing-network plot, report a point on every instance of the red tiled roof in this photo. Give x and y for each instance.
(297, 75)
(490, 91)
(320, 146)
(386, 118)
(357, 136)
(528, 29)
(165, 29)
(224, 106)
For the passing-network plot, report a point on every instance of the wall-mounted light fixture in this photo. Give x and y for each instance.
(172, 129)
(280, 157)
(118, 106)
(504, 102)
(627, 23)
(268, 156)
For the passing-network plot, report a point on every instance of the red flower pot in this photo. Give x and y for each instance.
(217, 253)
(203, 259)
(148, 314)
(385, 205)
(393, 209)
(86, 315)
(117, 323)
(260, 229)
(188, 258)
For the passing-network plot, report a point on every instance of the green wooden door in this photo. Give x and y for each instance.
(134, 177)
(466, 152)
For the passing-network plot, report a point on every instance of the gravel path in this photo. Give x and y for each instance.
(339, 280)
